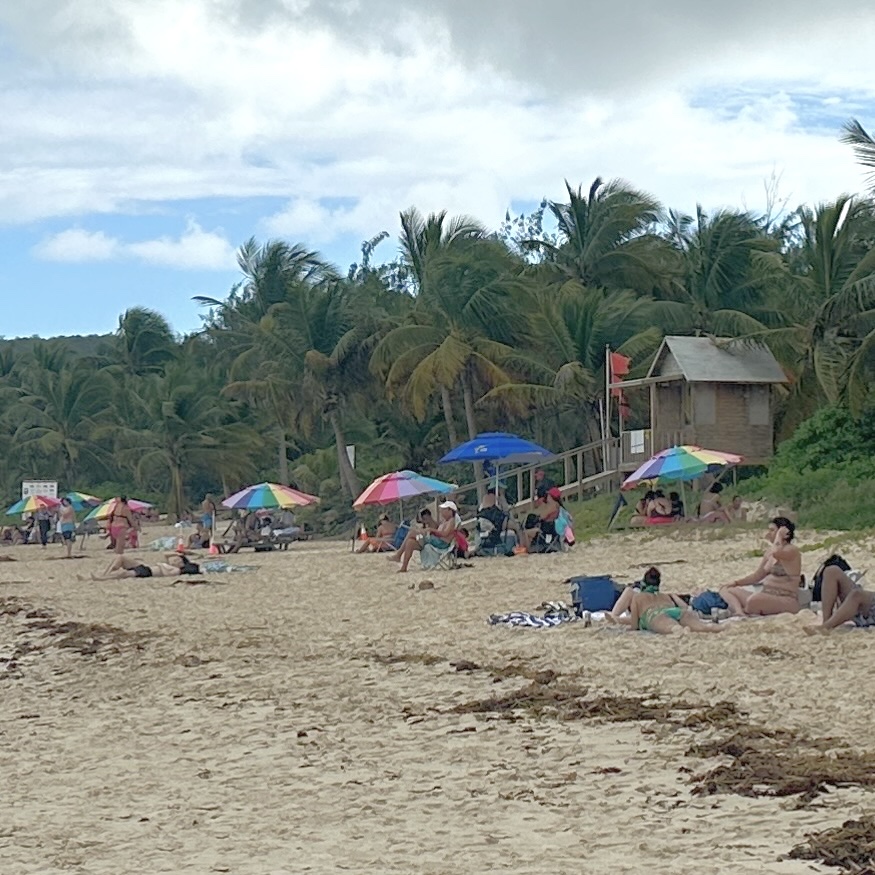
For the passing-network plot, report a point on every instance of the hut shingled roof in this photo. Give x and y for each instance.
(716, 360)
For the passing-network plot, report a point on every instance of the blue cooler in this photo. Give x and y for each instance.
(596, 592)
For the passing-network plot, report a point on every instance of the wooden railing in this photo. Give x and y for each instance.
(583, 468)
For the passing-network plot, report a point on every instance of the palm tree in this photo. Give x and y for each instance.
(608, 238)
(59, 415)
(466, 326)
(254, 330)
(856, 136)
(573, 327)
(424, 242)
(143, 344)
(185, 431)
(827, 300)
(728, 265)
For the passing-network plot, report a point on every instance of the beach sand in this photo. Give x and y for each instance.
(300, 718)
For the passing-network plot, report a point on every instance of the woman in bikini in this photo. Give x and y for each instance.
(124, 567)
(780, 573)
(121, 521)
(666, 614)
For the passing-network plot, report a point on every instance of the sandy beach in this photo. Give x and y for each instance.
(323, 713)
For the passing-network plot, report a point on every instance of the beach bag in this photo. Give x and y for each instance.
(705, 601)
(593, 592)
(836, 560)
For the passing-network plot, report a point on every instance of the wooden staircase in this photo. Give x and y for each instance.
(585, 468)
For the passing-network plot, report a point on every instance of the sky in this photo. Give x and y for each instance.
(142, 143)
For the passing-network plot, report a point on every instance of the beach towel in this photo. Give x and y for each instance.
(555, 614)
(220, 566)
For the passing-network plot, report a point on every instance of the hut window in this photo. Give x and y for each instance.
(704, 404)
(758, 406)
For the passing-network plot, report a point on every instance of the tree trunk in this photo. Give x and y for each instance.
(447, 404)
(348, 478)
(468, 397)
(176, 487)
(282, 447)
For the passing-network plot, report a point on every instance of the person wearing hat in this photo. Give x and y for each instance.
(382, 540)
(440, 536)
(543, 521)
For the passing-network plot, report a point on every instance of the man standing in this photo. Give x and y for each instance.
(44, 523)
(67, 524)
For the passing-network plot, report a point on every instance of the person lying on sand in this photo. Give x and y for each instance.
(780, 572)
(664, 614)
(124, 567)
(843, 600)
(649, 583)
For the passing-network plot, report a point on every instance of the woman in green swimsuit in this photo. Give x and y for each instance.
(666, 615)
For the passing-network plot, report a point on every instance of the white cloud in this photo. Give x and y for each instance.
(76, 244)
(355, 111)
(196, 249)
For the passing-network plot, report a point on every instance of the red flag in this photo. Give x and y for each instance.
(619, 365)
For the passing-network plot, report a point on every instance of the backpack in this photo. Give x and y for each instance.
(836, 560)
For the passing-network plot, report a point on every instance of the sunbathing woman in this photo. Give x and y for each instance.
(666, 615)
(841, 600)
(650, 582)
(780, 572)
(124, 567)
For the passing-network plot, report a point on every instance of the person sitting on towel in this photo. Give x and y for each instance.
(843, 599)
(779, 571)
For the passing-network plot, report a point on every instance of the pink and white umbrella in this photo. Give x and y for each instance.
(400, 485)
(102, 511)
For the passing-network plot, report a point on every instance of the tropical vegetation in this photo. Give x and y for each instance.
(462, 329)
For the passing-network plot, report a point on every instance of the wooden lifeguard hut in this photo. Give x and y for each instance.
(714, 392)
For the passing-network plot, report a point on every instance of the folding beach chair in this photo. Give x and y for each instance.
(431, 557)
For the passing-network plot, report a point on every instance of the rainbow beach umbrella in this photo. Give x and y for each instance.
(268, 495)
(680, 463)
(81, 500)
(33, 503)
(105, 509)
(400, 485)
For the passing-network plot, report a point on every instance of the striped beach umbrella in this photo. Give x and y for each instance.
(33, 503)
(81, 500)
(105, 509)
(263, 495)
(400, 485)
(680, 464)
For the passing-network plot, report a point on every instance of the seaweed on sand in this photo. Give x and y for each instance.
(850, 846)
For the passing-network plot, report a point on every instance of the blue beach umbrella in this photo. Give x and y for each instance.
(498, 447)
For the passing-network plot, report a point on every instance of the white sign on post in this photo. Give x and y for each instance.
(350, 452)
(47, 488)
